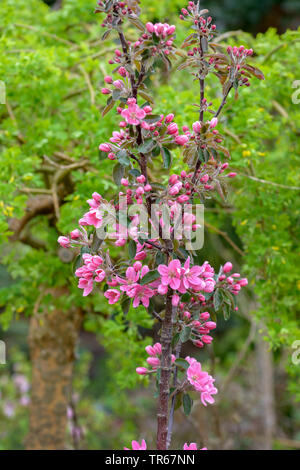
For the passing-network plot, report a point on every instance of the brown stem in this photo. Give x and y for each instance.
(164, 383)
(171, 416)
(223, 102)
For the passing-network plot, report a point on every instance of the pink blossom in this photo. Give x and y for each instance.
(133, 114)
(201, 381)
(192, 446)
(197, 127)
(75, 234)
(64, 242)
(136, 446)
(227, 267)
(112, 295)
(104, 148)
(142, 370)
(213, 122)
(170, 275)
(181, 139)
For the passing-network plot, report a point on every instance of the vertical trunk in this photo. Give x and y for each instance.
(164, 384)
(52, 340)
(265, 396)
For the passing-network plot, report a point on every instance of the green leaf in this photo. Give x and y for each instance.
(132, 248)
(118, 173)
(182, 363)
(187, 404)
(178, 401)
(185, 334)
(125, 305)
(175, 339)
(147, 146)
(123, 158)
(167, 157)
(218, 299)
(226, 311)
(150, 277)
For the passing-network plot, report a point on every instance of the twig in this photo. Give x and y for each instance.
(44, 33)
(280, 109)
(14, 119)
(226, 237)
(278, 185)
(89, 84)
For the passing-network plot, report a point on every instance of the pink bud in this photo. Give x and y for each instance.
(227, 267)
(147, 109)
(169, 118)
(75, 234)
(122, 71)
(141, 179)
(137, 266)
(150, 27)
(197, 127)
(181, 139)
(243, 282)
(211, 325)
(172, 129)
(213, 122)
(142, 370)
(204, 316)
(124, 182)
(207, 339)
(153, 361)
(173, 179)
(108, 79)
(104, 147)
(232, 175)
(157, 348)
(105, 91)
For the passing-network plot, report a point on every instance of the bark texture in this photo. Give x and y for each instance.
(164, 384)
(52, 340)
(265, 396)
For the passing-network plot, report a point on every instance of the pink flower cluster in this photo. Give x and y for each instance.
(201, 381)
(191, 13)
(201, 328)
(178, 278)
(117, 84)
(89, 273)
(164, 32)
(94, 216)
(153, 360)
(141, 294)
(238, 56)
(232, 282)
(122, 9)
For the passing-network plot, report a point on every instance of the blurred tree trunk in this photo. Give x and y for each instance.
(52, 340)
(57, 5)
(266, 416)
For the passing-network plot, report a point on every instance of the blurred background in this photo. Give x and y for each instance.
(53, 63)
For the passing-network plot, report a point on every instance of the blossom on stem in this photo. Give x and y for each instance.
(133, 114)
(192, 446)
(136, 446)
(201, 381)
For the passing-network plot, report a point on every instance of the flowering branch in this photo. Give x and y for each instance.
(154, 224)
